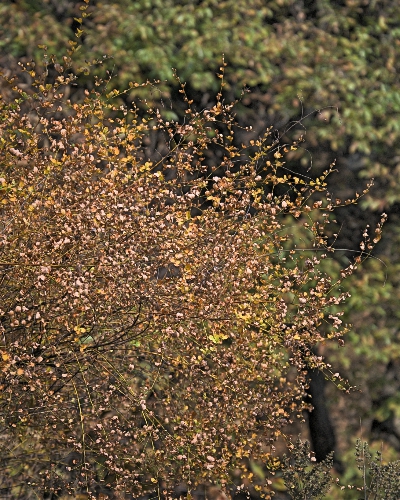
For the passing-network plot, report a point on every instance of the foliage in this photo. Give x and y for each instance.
(348, 53)
(27, 24)
(156, 319)
(307, 480)
(383, 482)
(304, 478)
(338, 57)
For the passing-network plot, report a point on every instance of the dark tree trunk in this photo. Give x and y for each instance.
(322, 432)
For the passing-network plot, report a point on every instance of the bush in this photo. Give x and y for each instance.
(156, 319)
(304, 478)
(307, 480)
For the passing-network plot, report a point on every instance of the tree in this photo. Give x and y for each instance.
(156, 319)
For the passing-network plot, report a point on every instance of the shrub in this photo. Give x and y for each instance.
(304, 478)
(380, 480)
(307, 480)
(156, 320)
